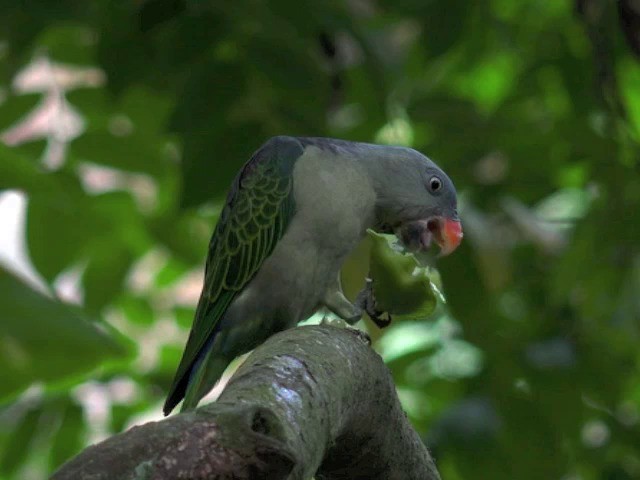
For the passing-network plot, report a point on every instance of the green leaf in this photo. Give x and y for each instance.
(212, 139)
(42, 340)
(137, 309)
(402, 287)
(69, 439)
(19, 171)
(224, 150)
(16, 107)
(133, 153)
(68, 43)
(59, 227)
(103, 279)
(170, 273)
(184, 316)
(117, 219)
(20, 441)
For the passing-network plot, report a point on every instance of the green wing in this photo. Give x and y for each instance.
(259, 208)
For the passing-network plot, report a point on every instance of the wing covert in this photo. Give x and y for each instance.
(258, 210)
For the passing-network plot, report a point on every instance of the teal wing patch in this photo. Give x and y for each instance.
(259, 208)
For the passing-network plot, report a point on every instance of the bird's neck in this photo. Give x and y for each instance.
(379, 170)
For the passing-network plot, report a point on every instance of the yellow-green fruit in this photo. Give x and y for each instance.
(401, 286)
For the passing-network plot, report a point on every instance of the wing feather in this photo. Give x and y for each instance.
(259, 208)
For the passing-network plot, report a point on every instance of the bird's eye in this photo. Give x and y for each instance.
(435, 184)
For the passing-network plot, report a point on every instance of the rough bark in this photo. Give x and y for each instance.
(313, 400)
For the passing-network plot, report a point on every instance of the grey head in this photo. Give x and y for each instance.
(415, 199)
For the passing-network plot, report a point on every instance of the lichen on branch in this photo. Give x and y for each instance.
(311, 401)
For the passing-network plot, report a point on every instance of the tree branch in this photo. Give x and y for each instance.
(313, 400)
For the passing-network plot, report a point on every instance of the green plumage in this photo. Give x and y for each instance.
(259, 208)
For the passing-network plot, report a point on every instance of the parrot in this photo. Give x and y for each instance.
(295, 211)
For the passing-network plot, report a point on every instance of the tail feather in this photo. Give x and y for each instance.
(205, 371)
(204, 376)
(210, 363)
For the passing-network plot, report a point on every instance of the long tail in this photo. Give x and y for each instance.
(204, 375)
(210, 363)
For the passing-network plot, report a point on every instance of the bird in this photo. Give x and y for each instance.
(294, 212)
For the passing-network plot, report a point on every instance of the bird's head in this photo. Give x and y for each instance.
(417, 202)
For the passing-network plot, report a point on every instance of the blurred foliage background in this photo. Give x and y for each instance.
(123, 123)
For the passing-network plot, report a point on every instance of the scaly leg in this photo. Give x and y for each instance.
(366, 301)
(352, 312)
(335, 301)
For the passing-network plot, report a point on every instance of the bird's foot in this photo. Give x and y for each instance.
(382, 320)
(366, 300)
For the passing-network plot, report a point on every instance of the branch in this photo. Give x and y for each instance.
(314, 400)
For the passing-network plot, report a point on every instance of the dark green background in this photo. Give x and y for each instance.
(532, 107)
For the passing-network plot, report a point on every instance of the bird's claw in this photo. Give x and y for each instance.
(366, 300)
(382, 320)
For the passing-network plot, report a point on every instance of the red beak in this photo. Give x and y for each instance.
(448, 236)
